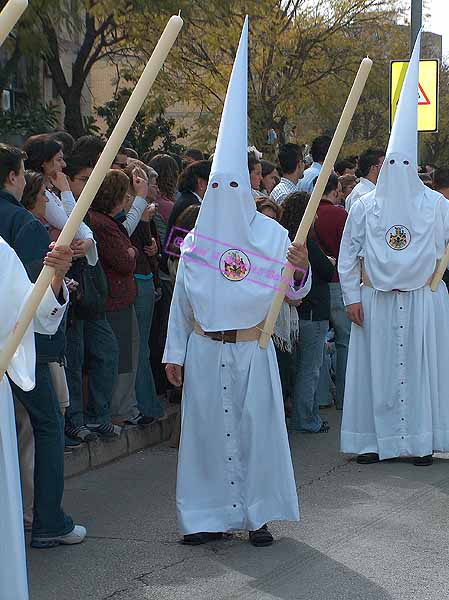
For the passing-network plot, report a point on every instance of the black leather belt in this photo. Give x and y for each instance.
(229, 337)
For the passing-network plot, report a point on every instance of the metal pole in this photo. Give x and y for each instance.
(415, 26)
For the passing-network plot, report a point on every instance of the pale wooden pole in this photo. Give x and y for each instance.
(109, 153)
(9, 16)
(442, 266)
(318, 190)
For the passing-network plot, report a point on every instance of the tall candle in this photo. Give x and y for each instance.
(318, 190)
(440, 271)
(109, 153)
(9, 16)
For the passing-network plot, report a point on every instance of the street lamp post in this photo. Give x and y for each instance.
(415, 26)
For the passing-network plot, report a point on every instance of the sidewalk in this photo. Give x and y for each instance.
(375, 532)
(132, 439)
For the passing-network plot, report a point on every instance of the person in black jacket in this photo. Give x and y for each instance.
(192, 185)
(314, 314)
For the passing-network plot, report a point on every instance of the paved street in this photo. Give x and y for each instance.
(376, 532)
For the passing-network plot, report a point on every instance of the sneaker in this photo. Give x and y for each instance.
(76, 536)
(140, 419)
(82, 433)
(69, 443)
(105, 430)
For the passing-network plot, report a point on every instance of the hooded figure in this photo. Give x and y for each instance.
(397, 378)
(234, 468)
(14, 290)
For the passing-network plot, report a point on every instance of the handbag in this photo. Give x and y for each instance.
(89, 299)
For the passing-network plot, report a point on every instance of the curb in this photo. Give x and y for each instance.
(132, 439)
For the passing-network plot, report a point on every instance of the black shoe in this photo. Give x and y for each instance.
(261, 537)
(105, 431)
(196, 539)
(140, 420)
(79, 434)
(423, 461)
(368, 459)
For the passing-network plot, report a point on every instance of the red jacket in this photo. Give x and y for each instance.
(113, 244)
(329, 227)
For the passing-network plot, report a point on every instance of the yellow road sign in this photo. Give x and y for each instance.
(427, 93)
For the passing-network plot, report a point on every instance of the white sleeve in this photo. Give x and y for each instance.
(351, 249)
(84, 232)
(295, 291)
(55, 214)
(180, 324)
(298, 293)
(134, 214)
(50, 313)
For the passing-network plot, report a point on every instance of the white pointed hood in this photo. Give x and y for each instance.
(234, 252)
(400, 222)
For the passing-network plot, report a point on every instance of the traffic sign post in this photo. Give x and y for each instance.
(427, 92)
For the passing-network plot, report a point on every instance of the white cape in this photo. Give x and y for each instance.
(14, 288)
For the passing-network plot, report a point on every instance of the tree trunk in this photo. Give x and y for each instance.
(73, 120)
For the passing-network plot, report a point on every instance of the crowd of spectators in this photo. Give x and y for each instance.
(103, 371)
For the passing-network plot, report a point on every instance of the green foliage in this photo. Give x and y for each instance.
(90, 125)
(149, 131)
(303, 58)
(30, 120)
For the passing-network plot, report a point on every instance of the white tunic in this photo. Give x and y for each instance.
(234, 466)
(14, 287)
(397, 377)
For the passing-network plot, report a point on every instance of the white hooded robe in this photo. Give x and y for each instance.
(14, 289)
(234, 466)
(397, 377)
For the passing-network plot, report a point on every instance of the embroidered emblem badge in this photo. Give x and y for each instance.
(234, 265)
(398, 237)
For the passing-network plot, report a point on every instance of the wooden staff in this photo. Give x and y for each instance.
(438, 276)
(317, 194)
(109, 153)
(9, 16)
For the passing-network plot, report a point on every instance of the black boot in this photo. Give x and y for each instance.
(261, 537)
(196, 539)
(367, 459)
(423, 461)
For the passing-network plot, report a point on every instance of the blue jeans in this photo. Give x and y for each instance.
(286, 365)
(94, 340)
(47, 421)
(342, 328)
(324, 388)
(146, 395)
(309, 356)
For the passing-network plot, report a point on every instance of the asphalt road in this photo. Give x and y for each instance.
(376, 532)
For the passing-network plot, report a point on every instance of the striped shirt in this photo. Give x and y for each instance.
(283, 189)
